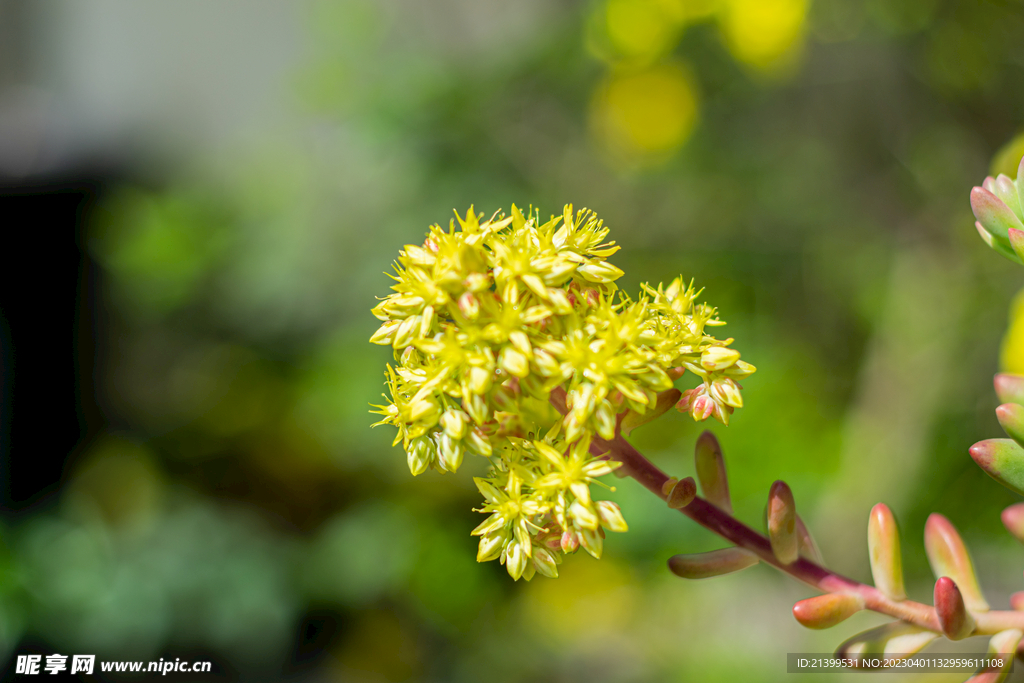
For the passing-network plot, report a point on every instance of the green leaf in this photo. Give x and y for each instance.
(1003, 460)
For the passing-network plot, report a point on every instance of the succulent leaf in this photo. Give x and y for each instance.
(993, 214)
(889, 640)
(1009, 387)
(884, 549)
(711, 472)
(954, 618)
(808, 546)
(948, 557)
(1016, 238)
(1003, 643)
(825, 611)
(1003, 460)
(1013, 520)
(1011, 419)
(714, 563)
(682, 494)
(782, 523)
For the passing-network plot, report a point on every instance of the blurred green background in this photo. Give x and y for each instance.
(807, 161)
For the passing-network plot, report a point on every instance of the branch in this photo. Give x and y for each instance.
(635, 465)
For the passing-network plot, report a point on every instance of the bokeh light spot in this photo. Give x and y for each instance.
(640, 28)
(764, 34)
(645, 114)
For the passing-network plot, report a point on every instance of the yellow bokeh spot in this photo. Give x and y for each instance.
(1011, 357)
(640, 29)
(645, 114)
(764, 34)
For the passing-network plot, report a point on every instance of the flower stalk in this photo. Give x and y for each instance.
(512, 342)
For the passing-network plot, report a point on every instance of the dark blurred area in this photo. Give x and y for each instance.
(200, 198)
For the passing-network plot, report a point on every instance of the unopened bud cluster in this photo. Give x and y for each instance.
(487, 319)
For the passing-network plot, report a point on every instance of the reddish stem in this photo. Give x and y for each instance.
(635, 465)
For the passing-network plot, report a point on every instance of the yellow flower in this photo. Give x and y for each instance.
(487, 319)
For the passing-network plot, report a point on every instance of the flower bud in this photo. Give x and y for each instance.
(955, 621)
(477, 282)
(401, 306)
(611, 516)
(479, 380)
(718, 358)
(1017, 601)
(421, 455)
(682, 494)
(385, 334)
(491, 546)
(454, 423)
(560, 302)
(469, 305)
(592, 541)
(570, 542)
(583, 515)
(948, 557)
(479, 442)
(521, 343)
(427, 322)
(514, 362)
(545, 563)
(884, 549)
(782, 523)
(1003, 460)
(515, 560)
(599, 271)
(475, 406)
(714, 563)
(702, 408)
(740, 370)
(407, 331)
(722, 412)
(546, 364)
(604, 416)
(425, 410)
(450, 453)
(825, 611)
(726, 392)
(573, 428)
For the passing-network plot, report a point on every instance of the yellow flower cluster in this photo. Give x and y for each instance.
(487, 320)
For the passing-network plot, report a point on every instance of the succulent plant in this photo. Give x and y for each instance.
(513, 342)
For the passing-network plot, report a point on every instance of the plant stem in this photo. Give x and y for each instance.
(739, 534)
(635, 465)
